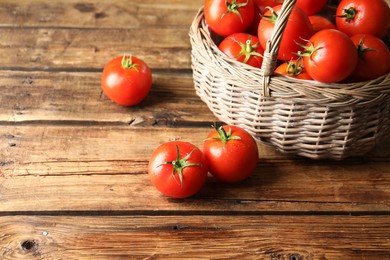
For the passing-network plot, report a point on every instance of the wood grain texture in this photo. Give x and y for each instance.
(203, 237)
(105, 168)
(77, 97)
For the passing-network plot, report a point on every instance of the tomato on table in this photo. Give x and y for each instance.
(374, 58)
(298, 28)
(244, 48)
(231, 153)
(363, 16)
(225, 17)
(126, 80)
(178, 169)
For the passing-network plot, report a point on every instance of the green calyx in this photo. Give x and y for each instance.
(271, 18)
(349, 14)
(180, 163)
(248, 50)
(307, 50)
(224, 136)
(295, 68)
(233, 6)
(361, 50)
(127, 62)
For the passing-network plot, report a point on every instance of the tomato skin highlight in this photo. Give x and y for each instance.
(330, 56)
(126, 86)
(244, 48)
(364, 17)
(223, 22)
(234, 161)
(298, 28)
(374, 58)
(168, 182)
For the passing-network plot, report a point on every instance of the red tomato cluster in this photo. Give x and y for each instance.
(343, 43)
(179, 169)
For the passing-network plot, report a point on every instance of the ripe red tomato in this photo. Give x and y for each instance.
(126, 80)
(298, 28)
(329, 56)
(177, 169)
(320, 23)
(244, 48)
(225, 17)
(311, 7)
(231, 153)
(363, 16)
(374, 58)
(260, 9)
(293, 68)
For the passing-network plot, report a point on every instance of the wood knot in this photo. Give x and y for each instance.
(29, 245)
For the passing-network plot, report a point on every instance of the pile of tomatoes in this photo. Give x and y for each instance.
(347, 44)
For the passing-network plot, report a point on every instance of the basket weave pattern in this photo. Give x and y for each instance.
(306, 118)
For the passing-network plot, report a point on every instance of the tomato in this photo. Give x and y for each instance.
(293, 68)
(260, 9)
(374, 58)
(298, 28)
(177, 169)
(329, 56)
(244, 48)
(311, 7)
(321, 23)
(126, 80)
(231, 153)
(225, 17)
(363, 16)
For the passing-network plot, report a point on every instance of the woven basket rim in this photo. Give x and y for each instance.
(281, 86)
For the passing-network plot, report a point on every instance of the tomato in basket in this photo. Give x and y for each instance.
(329, 56)
(374, 58)
(260, 9)
(363, 16)
(298, 28)
(225, 17)
(244, 48)
(311, 7)
(294, 69)
(321, 23)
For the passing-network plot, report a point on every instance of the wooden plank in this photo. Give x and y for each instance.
(190, 237)
(97, 13)
(50, 168)
(70, 49)
(77, 96)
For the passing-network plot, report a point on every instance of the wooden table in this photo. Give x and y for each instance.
(73, 165)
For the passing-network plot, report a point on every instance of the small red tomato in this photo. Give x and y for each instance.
(329, 56)
(225, 17)
(244, 48)
(231, 153)
(298, 28)
(294, 69)
(126, 80)
(363, 16)
(311, 7)
(374, 58)
(320, 23)
(178, 169)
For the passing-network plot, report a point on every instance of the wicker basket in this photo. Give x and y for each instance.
(306, 118)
